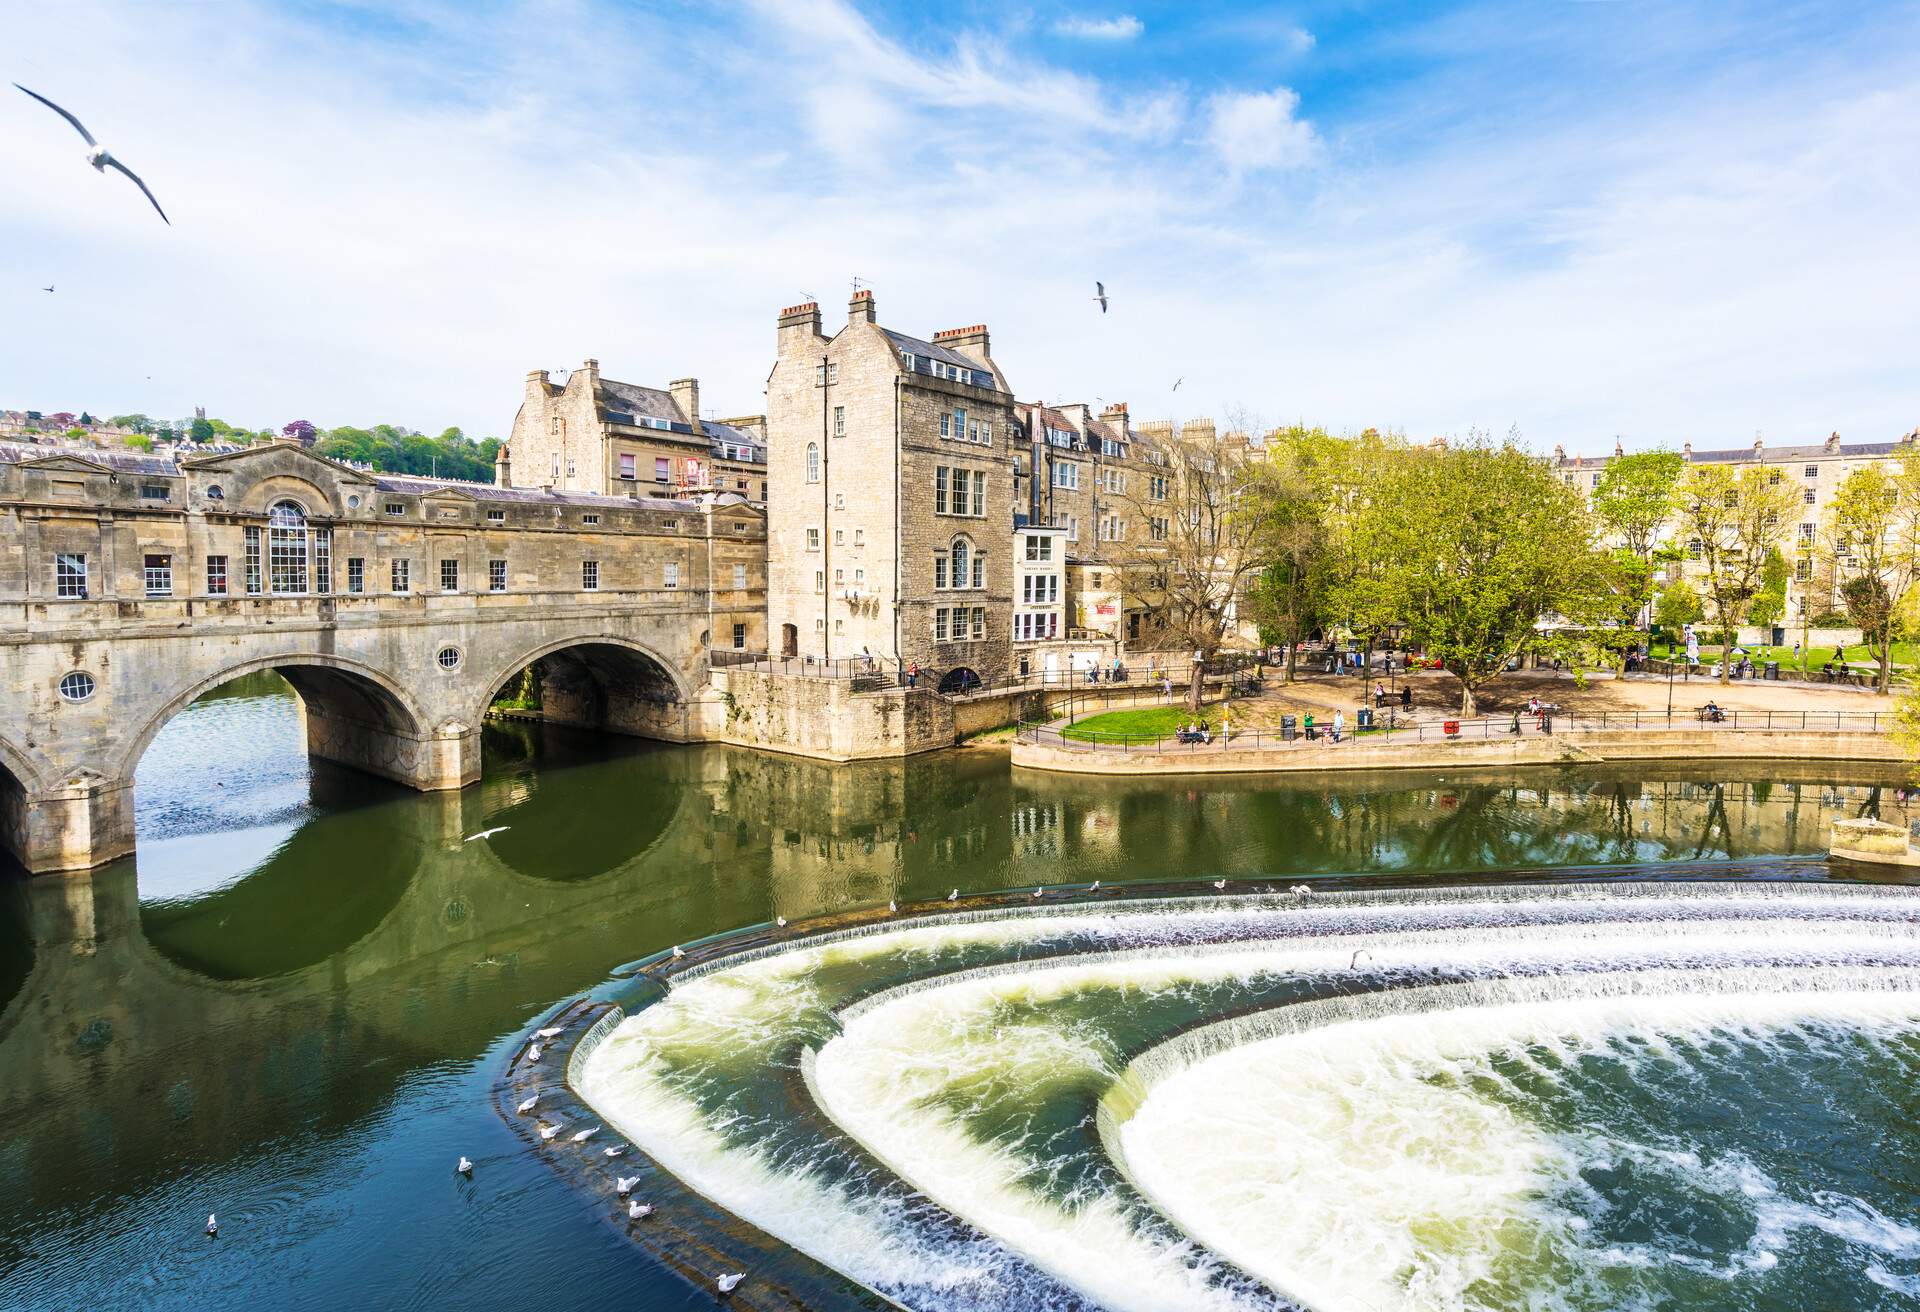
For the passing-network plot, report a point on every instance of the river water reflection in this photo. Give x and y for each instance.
(289, 1006)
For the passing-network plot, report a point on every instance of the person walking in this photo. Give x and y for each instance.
(1339, 724)
(913, 674)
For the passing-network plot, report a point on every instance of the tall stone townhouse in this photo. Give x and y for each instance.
(888, 534)
(1817, 469)
(594, 435)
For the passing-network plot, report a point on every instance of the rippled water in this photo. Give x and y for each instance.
(290, 1006)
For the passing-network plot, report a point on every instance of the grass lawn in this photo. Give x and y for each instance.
(1142, 722)
(1904, 654)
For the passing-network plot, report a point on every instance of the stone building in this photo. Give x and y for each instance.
(592, 434)
(1817, 469)
(887, 533)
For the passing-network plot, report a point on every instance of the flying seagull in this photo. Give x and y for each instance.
(1176, 382)
(488, 833)
(1100, 288)
(97, 154)
(46, 289)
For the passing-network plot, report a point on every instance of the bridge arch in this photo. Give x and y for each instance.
(600, 681)
(356, 714)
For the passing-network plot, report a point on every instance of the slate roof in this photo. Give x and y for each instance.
(718, 433)
(632, 399)
(120, 460)
(414, 485)
(928, 351)
(1767, 455)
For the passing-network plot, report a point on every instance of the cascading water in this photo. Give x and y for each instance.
(1568, 1097)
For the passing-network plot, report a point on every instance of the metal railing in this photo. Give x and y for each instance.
(1491, 728)
(961, 681)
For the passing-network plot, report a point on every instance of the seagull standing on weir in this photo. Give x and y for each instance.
(728, 1283)
(533, 1052)
(527, 1106)
(98, 155)
(954, 896)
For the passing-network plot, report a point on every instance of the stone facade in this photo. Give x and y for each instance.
(595, 435)
(1816, 469)
(398, 607)
(889, 459)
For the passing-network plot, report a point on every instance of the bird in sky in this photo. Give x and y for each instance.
(46, 289)
(98, 155)
(1176, 382)
(488, 833)
(1099, 288)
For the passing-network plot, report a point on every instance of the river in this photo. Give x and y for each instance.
(289, 1007)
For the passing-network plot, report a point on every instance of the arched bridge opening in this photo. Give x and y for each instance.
(598, 684)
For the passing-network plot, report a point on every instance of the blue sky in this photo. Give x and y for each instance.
(1666, 222)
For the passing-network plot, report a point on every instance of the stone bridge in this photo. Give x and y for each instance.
(397, 607)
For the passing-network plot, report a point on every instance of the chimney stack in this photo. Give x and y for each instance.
(537, 383)
(503, 467)
(861, 308)
(686, 395)
(1686, 452)
(797, 324)
(970, 342)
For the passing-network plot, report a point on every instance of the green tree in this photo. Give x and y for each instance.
(1770, 603)
(1677, 607)
(1635, 497)
(1473, 547)
(1873, 533)
(1289, 599)
(200, 430)
(1730, 519)
(140, 442)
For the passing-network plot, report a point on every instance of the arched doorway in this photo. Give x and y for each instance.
(960, 680)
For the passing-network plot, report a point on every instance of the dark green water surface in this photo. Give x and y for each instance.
(288, 1008)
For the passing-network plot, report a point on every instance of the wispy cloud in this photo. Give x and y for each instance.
(1259, 130)
(1122, 27)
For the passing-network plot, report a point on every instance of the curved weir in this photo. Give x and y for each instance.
(1532, 1096)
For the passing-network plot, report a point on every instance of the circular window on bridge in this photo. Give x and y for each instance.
(76, 686)
(449, 658)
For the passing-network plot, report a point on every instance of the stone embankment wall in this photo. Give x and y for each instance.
(823, 718)
(1582, 747)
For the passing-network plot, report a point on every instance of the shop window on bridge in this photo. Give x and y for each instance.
(356, 574)
(287, 548)
(216, 576)
(157, 575)
(253, 559)
(70, 575)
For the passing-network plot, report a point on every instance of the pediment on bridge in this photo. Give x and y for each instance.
(280, 455)
(250, 480)
(66, 464)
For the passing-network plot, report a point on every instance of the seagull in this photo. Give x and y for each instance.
(727, 1284)
(213, 1225)
(488, 833)
(465, 1167)
(677, 953)
(1176, 382)
(533, 1052)
(613, 1152)
(548, 1131)
(954, 896)
(1094, 887)
(46, 289)
(624, 1185)
(1038, 891)
(1301, 890)
(892, 905)
(550, 1031)
(97, 154)
(1100, 295)
(1219, 883)
(638, 1211)
(586, 1134)
(779, 922)
(527, 1106)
